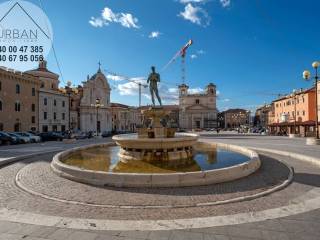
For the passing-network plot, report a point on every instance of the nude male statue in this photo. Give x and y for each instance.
(153, 79)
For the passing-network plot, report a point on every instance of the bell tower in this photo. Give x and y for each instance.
(211, 89)
(183, 90)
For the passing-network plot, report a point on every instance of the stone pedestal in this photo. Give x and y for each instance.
(143, 132)
(160, 132)
(157, 130)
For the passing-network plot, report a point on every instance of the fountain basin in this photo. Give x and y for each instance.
(154, 180)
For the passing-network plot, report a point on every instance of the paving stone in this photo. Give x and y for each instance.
(273, 235)
(108, 237)
(82, 236)
(43, 232)
(135, 234)
(60, 234)
(214, 237)
(214, 230)
(243, 238)
(302, 236)
(34, 238)
(185, 235)
(7, 226)
(108, 233)
(24, 229)
(244, 232)
(9, 236)
(159, 235)
(273, 225)
(294, 226)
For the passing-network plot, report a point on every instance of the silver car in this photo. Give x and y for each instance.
(33, 138)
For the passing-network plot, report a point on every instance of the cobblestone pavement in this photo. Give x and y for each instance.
(301, 226)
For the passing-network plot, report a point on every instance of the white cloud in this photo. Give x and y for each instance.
(131, 88)
(195, 15)
(155, 34)
(225, 3)
(168, 95)
(197, 54)
(108, 16)
(192, 1)
(195, 90)
(201, 52)
(97, 22)
(128, 21)
(115, 78)
(193, 56)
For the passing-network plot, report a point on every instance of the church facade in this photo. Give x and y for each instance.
(198, 111)
(95, 108)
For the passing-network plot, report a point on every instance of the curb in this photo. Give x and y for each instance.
(312, 160)
(10, 160)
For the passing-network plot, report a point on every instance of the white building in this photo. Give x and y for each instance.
(198, 111)
(53, 104)
(95, 110)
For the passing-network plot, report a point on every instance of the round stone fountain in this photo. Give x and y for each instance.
(156, 157)
(157, 142)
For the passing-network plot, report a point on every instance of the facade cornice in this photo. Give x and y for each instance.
(19, 76)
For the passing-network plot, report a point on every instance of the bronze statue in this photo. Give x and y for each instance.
(154, 78)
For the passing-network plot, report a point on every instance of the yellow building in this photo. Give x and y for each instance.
(295, 114)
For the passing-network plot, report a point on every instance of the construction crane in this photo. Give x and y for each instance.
(181, 53)
(140, 85)
(268, 94)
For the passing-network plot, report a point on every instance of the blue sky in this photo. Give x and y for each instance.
(251, 49)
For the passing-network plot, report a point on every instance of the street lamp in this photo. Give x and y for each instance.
(97, 105)
(294, 96)
(307, 76)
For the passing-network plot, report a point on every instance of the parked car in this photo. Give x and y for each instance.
(51, 136)
(33, 138)
(106, 134)
(81, 135)
(20, 139)
(7, 139)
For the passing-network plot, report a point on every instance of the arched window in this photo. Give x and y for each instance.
(17, 107)
(17, 89)
(0, 105)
